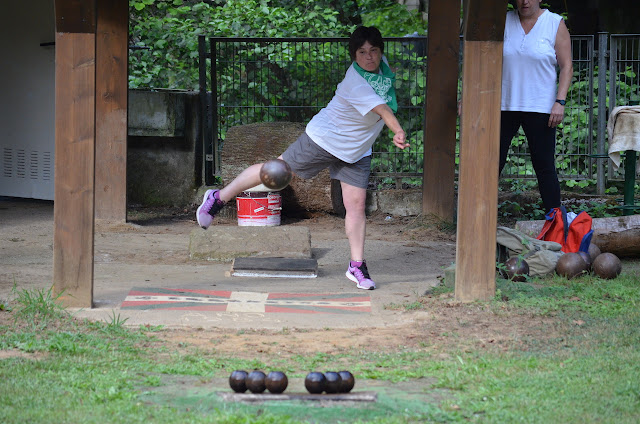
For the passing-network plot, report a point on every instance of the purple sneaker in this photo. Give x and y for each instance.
(211, 205)
(360, 276)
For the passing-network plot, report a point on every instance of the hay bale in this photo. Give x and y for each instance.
(245, 145)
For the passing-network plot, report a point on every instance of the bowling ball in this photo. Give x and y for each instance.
(276, 382)
(275, 174)
(570, 265)
(333, 382)
(517, 269)
(594, 251)
(587, 260)
(607, 266)
(237, 381)
(256, 381)
(315, 382)
(347, 381)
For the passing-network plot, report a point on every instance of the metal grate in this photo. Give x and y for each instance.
(291, 79)
(624, 81)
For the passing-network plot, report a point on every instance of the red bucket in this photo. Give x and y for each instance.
(259, 209)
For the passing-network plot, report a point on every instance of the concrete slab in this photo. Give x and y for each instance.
(157, 256)
(224, 243)
(275, 267)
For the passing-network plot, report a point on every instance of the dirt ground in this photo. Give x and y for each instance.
(434, 322)
(446, 327)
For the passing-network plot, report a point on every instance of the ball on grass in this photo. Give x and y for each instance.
(594, 251)
(516, 269)
(276, 382)
(347, 381)
(570, 265)
(315, 382)
(586, 257)
(237, 381)
(607, 266)
(256, 381)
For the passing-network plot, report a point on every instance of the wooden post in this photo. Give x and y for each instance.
(438, 192)
(74, 152)
(111, 109)
(479, 150)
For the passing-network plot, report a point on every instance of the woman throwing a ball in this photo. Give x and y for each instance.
(340, 138)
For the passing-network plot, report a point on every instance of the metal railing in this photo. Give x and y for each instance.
(291, 79)
(249, 80)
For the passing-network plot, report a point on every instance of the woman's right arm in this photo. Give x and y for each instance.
(563, 56)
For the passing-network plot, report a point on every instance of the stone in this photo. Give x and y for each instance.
(224, 243)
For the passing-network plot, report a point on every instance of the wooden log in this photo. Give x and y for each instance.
(617, 235)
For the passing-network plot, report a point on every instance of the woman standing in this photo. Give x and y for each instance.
(340, 138)
(536, 44)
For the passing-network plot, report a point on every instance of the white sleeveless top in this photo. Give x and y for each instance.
(529, 64)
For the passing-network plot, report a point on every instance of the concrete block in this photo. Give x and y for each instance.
(224, 243)
(153, 113)
(400, 202)
(450, 276)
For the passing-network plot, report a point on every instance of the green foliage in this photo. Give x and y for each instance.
(587, 294)
(579, 364)
(279, 75)
(166, 31)
(38, 307)
(170, 29)
(391, 18)
(116, 322)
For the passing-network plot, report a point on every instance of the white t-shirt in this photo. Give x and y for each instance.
(529, 64)
(346, 127)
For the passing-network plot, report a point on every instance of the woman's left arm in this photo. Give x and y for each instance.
(399, 137)
(563, 56)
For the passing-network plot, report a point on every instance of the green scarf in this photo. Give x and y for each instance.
(383, 84)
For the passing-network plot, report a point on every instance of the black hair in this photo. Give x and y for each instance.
(363, 34)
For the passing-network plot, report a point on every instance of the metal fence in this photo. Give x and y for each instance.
(249, 80)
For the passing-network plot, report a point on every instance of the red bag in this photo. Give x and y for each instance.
(574, 236)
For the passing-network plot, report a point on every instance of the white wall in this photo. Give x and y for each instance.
(27, 99)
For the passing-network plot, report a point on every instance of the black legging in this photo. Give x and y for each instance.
(542, 146)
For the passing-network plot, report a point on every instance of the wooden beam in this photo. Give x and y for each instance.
(74, 168)
(76, 16)
(438, 189)
(479, 150)
(484, 20)
(111, 109)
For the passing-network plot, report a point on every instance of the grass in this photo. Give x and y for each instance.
(73, 371)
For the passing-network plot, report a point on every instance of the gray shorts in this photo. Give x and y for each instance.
(307, 159)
